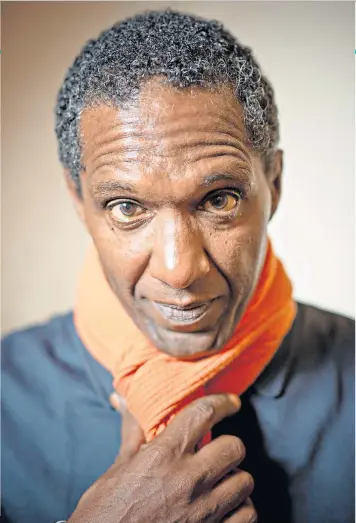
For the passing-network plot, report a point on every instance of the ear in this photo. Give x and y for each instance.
(274, 179)
(76, 197)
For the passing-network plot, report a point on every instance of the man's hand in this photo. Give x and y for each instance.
(132, 436)
(166, 481)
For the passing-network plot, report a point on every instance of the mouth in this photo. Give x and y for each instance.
(185, 330)
(185, 315)
(190, 317)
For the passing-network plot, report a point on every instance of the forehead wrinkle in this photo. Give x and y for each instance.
(177, 185)
(105, 187)
(190, 137)
(121, 158)
(160, 108)
(172, 128)
(107, 155)
(129, 151)
(128, 136)
(114, 133)
(117, 159)
(164, 122)
(243, 160)
(105, 142)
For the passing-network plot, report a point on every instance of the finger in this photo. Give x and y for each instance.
(196, 420)
(245, 514)
(132, 436)
(229, 494)
(217, 459)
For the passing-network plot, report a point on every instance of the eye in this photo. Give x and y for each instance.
(126, 211)
(222, 202)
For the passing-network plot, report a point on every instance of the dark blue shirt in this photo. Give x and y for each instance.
(59, 433)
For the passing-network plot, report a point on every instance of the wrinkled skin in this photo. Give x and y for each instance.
(177, 204)
(166, 481)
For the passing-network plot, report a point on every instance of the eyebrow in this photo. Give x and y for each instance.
(115, 185)
(213, 178)
(107, 187)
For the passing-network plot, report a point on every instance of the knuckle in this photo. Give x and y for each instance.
(156, 453)
(205, 410)
(182, 440)
(145, 446)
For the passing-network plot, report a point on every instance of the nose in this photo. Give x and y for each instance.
(178, 258)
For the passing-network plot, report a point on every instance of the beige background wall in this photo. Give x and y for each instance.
(307, 49)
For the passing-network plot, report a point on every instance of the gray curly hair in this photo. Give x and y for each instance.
(185, 50)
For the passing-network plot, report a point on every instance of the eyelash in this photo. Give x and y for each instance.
(232, 191)
(109, 204)
(112, 203)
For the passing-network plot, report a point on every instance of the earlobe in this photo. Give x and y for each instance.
(76, 198)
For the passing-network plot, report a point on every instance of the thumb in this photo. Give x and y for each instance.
(132, 436)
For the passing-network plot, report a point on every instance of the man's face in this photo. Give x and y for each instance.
(177, 205)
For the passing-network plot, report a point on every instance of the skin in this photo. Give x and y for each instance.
(177, 203)
(168, 481)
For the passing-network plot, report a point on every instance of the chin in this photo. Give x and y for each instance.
(188, 346)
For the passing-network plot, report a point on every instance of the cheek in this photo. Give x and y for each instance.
(239, 251)
(239, 258)
(124, 255)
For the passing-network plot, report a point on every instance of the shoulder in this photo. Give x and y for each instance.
(324, 389)
(34, 404)
(324, 334)
(331, 324)
(37, 359)
(322, 354)
(49, 342)
(58, 428)
(39, 335)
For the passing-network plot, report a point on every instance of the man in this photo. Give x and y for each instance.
(168, 134)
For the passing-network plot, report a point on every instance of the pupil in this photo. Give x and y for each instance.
(219, 201)
(127, 208)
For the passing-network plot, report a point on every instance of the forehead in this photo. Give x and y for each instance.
(159, 102)
(166, 130)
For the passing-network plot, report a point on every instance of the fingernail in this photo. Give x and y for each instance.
(235, 400)
(115, 401)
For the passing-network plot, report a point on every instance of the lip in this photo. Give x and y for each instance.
(192, 317)
(187, 314)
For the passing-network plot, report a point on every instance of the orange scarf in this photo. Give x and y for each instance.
(157, 386)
